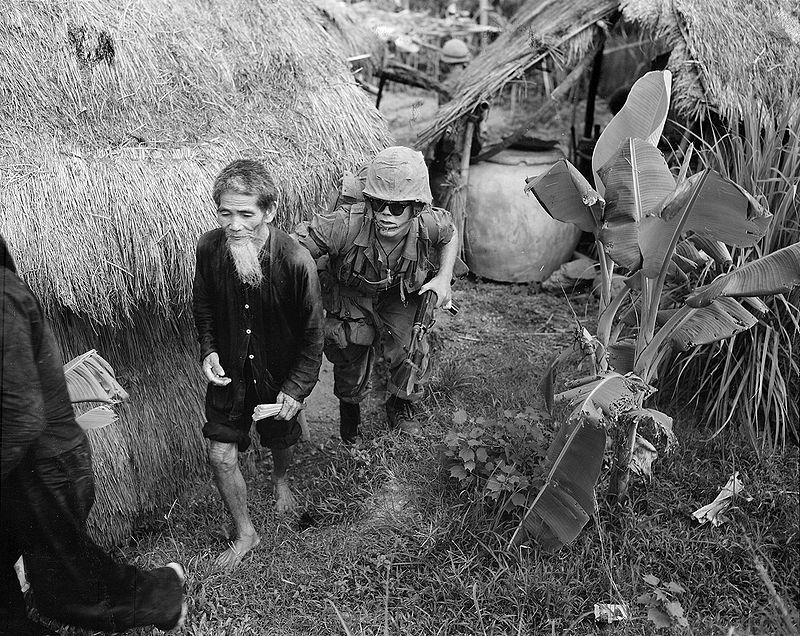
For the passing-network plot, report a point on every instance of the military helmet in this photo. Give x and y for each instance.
(455, 51)
(398, 173)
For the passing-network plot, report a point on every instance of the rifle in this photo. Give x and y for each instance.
(407, 374)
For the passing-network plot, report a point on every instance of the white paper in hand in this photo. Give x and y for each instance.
(263, 411)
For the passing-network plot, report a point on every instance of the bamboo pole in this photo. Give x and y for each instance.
(459, 201)
(484, 21)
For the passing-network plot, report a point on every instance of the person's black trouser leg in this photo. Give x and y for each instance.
(71, 578)
(13, 614)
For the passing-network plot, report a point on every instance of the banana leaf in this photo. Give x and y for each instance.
(642, 116)
(583, 346)
(91, 379)
(603, 397)
(567, 196)
(637, 179)
(98, 417)
(689, 327)
(711, 206)
(656, 426)
(621, 355)
(717, 250)
(689, 251)
(776, 273)
(563, 505)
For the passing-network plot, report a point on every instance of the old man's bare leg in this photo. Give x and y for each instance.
(284, 499)
(224, 459)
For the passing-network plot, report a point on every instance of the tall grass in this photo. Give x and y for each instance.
(751, 380)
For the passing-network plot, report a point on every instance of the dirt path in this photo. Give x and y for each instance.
(322, 407)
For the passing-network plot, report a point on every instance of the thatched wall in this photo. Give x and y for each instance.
(727, 55)
(114, 118)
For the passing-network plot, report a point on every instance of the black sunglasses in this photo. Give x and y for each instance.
(395, 207)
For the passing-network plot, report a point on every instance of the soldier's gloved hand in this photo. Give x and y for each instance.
(213, 371)
(289, 406)
(441, 286)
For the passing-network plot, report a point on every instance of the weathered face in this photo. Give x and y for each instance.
(242, 218)
(390, 226)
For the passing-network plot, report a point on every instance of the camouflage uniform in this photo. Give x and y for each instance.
(366, 303)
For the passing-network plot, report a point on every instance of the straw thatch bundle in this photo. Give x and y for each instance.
(114, 119)
(347, 27)
(564, 31)
(727, 55)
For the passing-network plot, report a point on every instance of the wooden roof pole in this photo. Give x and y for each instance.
(458, 204)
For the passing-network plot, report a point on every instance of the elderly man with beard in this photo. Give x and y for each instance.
(385, 245)
(258, 312)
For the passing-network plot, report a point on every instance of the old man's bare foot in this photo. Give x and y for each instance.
(284, 499)
(228, 560)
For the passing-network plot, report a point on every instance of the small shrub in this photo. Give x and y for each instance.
(663, 608)
(499, 460)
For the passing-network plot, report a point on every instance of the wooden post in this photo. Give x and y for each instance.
(484, 21)
(594, 82)
(381, 85)
(459, 202)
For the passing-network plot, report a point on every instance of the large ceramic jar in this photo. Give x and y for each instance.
(508, 236)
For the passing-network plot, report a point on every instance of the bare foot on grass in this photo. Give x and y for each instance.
(284, 499)
(228, 560)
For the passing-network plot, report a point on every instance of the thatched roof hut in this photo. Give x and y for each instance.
(114, 119)
(541, 29)
(726, 54)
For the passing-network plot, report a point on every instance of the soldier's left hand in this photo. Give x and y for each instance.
(442, 288)
(289, 406)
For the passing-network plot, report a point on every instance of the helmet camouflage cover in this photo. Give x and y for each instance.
(455, 51)
(398, 174)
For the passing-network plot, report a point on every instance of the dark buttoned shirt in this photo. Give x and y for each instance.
(275, 332)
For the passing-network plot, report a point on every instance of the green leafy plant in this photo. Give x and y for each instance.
(663, 607)
(498, 460)
(657, 228)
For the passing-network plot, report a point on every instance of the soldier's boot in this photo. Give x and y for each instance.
(349, 421)
(400, 415)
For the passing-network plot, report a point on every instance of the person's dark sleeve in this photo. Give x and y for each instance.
(305, 371)
(22, 411)
(202, 303)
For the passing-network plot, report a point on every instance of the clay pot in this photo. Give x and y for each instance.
(508, 236)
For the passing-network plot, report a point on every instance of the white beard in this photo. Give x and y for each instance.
(245, 259)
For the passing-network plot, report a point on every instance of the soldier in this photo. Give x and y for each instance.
(445, 155)
(385, 245)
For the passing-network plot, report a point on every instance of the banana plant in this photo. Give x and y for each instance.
(90, 378)
(657, 228)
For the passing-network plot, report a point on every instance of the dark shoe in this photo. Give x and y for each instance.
(349, 421)
(400, 415)
(179, 620)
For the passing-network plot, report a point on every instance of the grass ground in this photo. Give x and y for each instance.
(388, 543)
